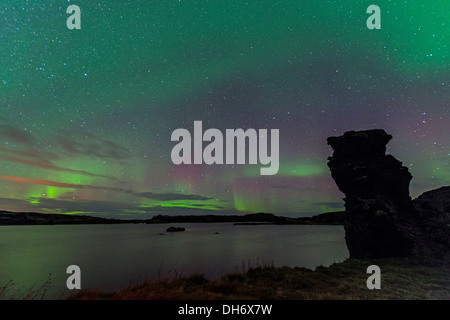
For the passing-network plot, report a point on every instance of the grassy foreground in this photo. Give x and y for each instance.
(400, 279)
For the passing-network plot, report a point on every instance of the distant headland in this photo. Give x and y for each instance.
(33, 218)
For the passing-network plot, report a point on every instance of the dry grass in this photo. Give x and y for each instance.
(10, 292)
(400, 279)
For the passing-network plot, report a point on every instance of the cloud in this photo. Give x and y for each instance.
(46, 164)
(31, 154)
(206, 205)
(98, 206)
(187, 211)
(85, 144)
(44, 160)
(15, 135)
(170, 196)
(148, 195)
(15, 205)
(64, 206)
(59, 184)
(110, 209)
(92, 146)
(80, 205)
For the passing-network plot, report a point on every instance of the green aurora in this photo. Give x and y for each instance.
(86, 115)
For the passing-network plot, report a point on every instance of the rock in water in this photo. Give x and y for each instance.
(381, 219)
(175, 229)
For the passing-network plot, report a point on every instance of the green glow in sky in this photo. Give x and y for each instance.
(87, 114)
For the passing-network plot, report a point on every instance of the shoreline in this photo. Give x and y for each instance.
(32, 218)
(401, 279)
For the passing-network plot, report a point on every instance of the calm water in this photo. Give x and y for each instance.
(111, 256)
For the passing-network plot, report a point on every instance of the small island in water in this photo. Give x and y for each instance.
(175, 229)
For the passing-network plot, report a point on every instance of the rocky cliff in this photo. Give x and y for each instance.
(382, 221)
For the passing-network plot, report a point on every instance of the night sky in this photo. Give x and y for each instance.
(87, 115)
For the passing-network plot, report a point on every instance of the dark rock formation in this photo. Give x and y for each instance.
(327, 218)
(381, 220)
(434, 212)
(435, 205)
(175, 229)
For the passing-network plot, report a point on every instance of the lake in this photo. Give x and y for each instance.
(112, 256)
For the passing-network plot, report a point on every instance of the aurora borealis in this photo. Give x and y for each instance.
(87, 115)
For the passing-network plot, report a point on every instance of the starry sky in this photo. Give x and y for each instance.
(87, 115)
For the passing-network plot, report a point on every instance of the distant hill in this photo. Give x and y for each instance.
(328, 218)
(31, 218)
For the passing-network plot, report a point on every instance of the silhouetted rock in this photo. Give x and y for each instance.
(435, 205)
(381, 220)
(175, 229)
(328, 218)
(434, 211)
